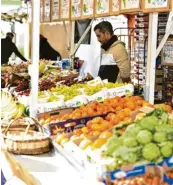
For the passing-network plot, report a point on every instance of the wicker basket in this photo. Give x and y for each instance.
(20, 124)
(29, 142)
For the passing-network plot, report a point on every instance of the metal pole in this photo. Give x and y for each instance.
(83, 36)
(151, 58)
(72, 44)
(35, 57)
(164, 39)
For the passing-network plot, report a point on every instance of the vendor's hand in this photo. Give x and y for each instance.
(126, 80)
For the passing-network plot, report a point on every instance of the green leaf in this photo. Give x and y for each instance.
(164, 117)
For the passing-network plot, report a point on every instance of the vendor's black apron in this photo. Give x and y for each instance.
(109, 72)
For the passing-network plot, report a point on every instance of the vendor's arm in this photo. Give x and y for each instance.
(15, 50)
(121, 58)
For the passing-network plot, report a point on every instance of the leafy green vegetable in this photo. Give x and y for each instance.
(160, 137)
(164, 118)
(151, 152)
(167, 143)
(166, 151)
(144, 137)
(149, 123)
(164, 128)
(132, 130)
(130, 142)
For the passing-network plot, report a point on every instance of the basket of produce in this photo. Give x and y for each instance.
(28, 142)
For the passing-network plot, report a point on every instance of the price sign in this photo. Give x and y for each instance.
(46, 11)
(156, 5)
(64, 9)
(55, 13)
(41, 10)
(76, 10)
(102, 8)
(129, 5)
(88, 8)
(114, 7)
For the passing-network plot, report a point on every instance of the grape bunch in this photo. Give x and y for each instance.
(25, 93)
(22, 86)
(90, 90)
(46, 84)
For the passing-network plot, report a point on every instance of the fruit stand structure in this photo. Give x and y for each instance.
(145, 6)
(123, 108)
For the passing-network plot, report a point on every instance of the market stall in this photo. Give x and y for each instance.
(99, 127)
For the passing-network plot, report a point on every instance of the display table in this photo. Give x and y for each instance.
(49, 169)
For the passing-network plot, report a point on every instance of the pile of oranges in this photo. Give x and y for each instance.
(121, 105)
(109, 105)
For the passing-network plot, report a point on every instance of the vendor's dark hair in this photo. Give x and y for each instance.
(9, 34)
(104, 26)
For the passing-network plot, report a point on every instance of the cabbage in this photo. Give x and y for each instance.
(132, 157)
(130, 142)
(149, 123)
(160, 137)
(144, 137)
(132, 130)
(166, 151)
(151, 152)
(167, 143)
(112, 144)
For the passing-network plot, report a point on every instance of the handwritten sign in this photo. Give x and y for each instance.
(114, 7)
(76, 10)
(88, 8)
(156, 5)
(102, 7)
(46, 11)
(64, 9)
(167, 53)
(55, 10)
(41, 10)
(129, 5)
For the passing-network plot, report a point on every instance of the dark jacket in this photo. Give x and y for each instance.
(7, 48)
(46, 51)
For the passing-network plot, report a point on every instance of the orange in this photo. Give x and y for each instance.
(110, 124)
(127, 111)
(126, 119)
(115, 119)
(121, 115)
(108, 117)
(95, 126)
(97, 120)
(119, 107)
(168, 108)
(77, 132)
(114, 103)
(90, 111)
(139, 102)
(106, 135)
(104, 125)
(131, 105)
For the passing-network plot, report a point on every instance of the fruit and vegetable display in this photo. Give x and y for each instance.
(147, 140)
